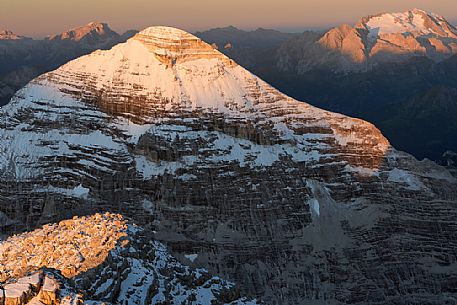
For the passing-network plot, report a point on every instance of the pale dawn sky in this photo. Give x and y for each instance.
(38, 18)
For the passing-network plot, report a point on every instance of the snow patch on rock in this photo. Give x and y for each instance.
(404, 177)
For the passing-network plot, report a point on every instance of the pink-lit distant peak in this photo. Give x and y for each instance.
(44, 17)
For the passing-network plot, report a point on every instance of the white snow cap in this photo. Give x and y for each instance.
(167, 33)
(415, 21)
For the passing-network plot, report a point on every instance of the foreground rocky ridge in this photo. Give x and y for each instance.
(292, 203)
(102, 259)
(71, 246)
(40, 288)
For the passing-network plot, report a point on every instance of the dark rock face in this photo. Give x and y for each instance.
(232, 37)
(401, 100)
(293, 203)
(449, 160)
(247, 48)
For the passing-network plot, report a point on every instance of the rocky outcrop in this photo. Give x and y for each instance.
(292, 203)
(449, 159)
(43, 287)
(72, 246)
(136, 270)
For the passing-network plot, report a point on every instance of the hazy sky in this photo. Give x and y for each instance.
(37, 18)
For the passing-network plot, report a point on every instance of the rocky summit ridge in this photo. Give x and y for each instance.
(90, 31)
(292, 203)
(101, 259)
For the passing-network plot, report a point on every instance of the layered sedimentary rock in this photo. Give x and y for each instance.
(292, 203)
(172, 47)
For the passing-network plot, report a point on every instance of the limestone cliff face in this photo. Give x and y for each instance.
(292, 203)
(387, 37)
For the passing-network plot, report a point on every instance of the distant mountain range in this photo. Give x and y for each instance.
(283, 202)
(373, 41)
(22, 59)
(229, 37)
(384, 63)
(424, 123)
(92, 34)
(9, 35)
(246, 46)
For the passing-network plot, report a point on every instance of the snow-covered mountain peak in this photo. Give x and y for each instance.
(9, 35)
(416, 22)
(156, 76)
(382, 38)
(88, 31)
(88, 254)
(171, 45)
(166, 32)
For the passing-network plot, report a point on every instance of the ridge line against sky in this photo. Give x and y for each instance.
(39, 18)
